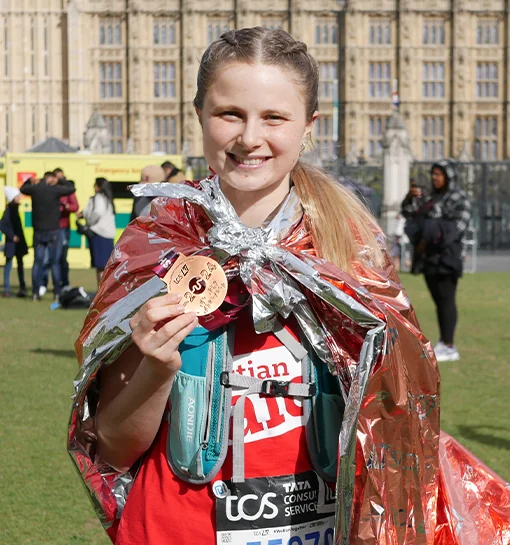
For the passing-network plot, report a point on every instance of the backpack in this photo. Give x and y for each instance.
(201, 398)
(75, 298)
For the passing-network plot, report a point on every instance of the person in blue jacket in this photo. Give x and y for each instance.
(15, 243)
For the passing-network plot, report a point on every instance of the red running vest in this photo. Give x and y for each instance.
(163, 510)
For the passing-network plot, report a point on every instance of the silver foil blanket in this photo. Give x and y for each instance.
(361, 326)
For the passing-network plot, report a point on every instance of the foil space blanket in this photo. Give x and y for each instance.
(400, 480)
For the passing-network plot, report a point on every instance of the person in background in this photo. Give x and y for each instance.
(46, 196)
(100, 217)
(436, 224)
(150, 174)
(172, 173)
(15, 243)
(68, 205)
(59, 173)
(413, 222)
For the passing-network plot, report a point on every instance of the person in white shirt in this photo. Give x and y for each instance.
(100, 217)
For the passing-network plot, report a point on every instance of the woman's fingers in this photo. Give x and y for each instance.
(172, 328)
(154, 316)
(160, 326)
(169, 334)
(171, 345)
(156, 310)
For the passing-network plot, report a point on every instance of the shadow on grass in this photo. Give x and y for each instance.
(476, 434)
(55, 352)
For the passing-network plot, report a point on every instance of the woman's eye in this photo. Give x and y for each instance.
(274, 118)
(230, 114)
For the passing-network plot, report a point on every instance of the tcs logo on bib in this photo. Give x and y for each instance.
(251, 507)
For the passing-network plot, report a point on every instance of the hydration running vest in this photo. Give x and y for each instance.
(201, 406)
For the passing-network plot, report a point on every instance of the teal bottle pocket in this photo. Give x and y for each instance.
(186, 434)
(329, 415)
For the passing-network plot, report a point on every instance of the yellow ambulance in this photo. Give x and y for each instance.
(82, 169)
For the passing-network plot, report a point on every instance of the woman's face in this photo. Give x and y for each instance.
(438, 178)
(96, 188)
(254, 123)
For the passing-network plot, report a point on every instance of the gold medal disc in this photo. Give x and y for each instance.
(202, 282)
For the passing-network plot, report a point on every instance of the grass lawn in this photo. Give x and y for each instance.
(43, 502)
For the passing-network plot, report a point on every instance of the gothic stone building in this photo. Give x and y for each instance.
(136, 61)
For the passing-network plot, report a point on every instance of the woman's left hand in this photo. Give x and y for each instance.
(79, 215)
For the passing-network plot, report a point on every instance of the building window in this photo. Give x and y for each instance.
(324, 137)
(433, 79)
(164, 32)
(34, 126)
(6, 48)
(328, 75)
(433, 33)
(110, 78)
(379, 80)
(46, 49)
(46, 122)
(487, 80)
(32, 47)
(215, 28)
(376, 128)
(273, 23)
(487, 33)
(380, 32)
(326, 32)
(165, 134)
(110, 32)
(432, 138)
(486, 139)
(115, 130)
(164, 80)
(6, 128)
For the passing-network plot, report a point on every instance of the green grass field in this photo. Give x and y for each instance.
(42, 500)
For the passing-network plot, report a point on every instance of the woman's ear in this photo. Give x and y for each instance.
(310, 124)
(199, 115)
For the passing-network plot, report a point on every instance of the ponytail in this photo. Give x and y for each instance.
(341, 226)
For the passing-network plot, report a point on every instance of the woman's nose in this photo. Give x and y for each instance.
(251, 135)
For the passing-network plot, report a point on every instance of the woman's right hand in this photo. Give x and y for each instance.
(158, 329)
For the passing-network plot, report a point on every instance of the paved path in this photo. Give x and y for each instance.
(491, 262)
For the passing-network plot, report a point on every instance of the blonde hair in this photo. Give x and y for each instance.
(343, 230)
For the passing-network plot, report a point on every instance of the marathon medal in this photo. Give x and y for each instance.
(201, 281)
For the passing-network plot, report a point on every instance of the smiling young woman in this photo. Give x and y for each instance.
(271, 215)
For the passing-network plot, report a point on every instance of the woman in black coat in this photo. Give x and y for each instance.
(15, 243)
(436, 223)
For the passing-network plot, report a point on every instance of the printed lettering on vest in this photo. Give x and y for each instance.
(190, 421)
(268, 416)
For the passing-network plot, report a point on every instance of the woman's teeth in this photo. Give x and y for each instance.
(246, 161)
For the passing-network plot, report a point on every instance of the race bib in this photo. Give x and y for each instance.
(287, 510)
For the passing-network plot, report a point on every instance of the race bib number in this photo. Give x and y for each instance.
(287, 510)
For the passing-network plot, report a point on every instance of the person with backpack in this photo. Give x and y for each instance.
(15, 243)
(99, 215)
(46, 194)
(436, 224)
(300, 407)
